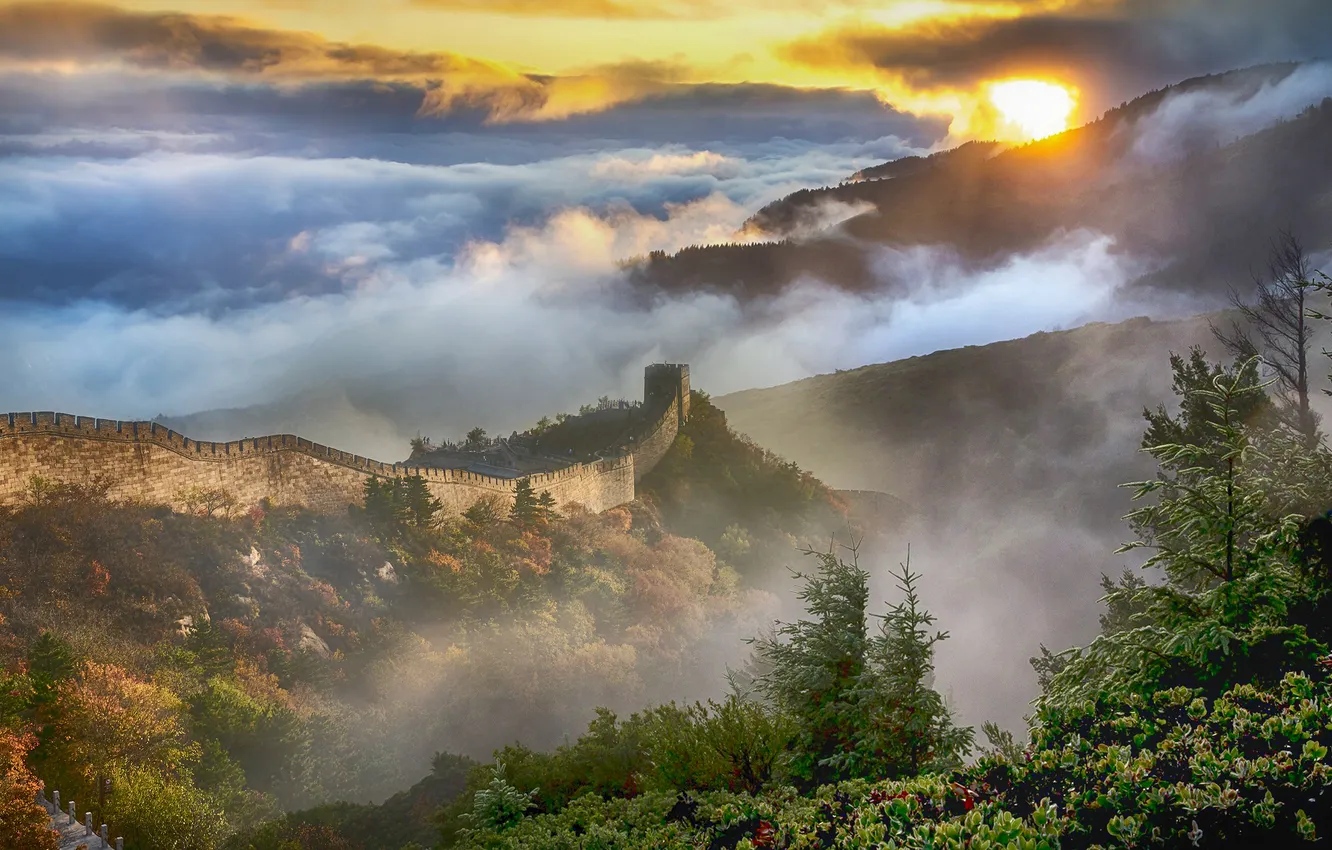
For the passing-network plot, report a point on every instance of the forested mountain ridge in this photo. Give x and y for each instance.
(1199, 210)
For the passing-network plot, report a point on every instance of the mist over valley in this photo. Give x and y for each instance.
(664, 424)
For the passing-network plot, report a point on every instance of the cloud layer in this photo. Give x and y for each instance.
(1112, 50)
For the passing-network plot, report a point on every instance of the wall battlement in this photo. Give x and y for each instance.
(146, 460)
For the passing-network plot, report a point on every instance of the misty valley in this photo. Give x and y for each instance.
(634, 424)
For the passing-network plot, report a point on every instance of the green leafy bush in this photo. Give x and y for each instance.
(154, 811)
(1249, 769)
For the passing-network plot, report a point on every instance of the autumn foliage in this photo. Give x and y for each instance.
(24, 824)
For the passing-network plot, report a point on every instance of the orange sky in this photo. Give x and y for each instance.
(726, 41)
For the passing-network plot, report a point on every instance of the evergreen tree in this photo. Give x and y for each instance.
(212, 651)
(546, 506)
(908, 728)
(380, 505)
(476, 440)
(420, 504)
(482, 513)
(1222, 613)
(1196, 423)
(811, 667)
(50, 662)
(526, 508)
(862, 706)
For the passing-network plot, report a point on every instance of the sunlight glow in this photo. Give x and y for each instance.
(1036, 107)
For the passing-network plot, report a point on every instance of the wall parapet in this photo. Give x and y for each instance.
(73, 833)
(51, 423)
(147, 460)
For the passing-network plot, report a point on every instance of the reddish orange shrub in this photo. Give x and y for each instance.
(24, 824)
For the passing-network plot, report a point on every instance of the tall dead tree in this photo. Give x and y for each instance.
(1276, 327)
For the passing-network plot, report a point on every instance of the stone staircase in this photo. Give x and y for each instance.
(74, 835)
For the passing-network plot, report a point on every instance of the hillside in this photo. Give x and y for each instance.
(1010, 455)
(282, 658)
(1202, 215)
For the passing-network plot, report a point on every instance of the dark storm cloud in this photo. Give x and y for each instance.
(1116, 50)
(384, 120)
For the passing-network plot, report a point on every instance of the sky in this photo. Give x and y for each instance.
(372, 219)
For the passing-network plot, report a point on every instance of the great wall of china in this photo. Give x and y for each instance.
(146, 461)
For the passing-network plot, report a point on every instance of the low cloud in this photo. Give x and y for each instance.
(140, 245)
(1190, 121)
(527, 325)
(700, 162)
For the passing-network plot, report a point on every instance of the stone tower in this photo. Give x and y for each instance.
(664, 383)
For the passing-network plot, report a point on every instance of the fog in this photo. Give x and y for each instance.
(360, 301)
(1206, 118)
(501, 332)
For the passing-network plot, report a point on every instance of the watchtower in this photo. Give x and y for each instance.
(664, 383)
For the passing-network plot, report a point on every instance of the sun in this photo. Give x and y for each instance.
(1036, 107)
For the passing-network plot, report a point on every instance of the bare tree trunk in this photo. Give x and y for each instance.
(1279, 319)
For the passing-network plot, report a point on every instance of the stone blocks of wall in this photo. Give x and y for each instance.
(143, 460)
(652, 447)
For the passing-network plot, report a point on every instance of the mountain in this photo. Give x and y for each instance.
(1153, 174)
(782, 217)
(1010, 457)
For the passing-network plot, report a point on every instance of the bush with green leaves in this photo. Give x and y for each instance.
(732, 745)
(1173, 769)
(154, 811)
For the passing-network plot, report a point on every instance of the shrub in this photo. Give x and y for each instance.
(154, 811)
(23, 823)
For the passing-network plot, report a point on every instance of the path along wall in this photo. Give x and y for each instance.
(657, 440)
(143, 460)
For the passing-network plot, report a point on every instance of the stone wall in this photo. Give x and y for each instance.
(144, 460)
(652, 447)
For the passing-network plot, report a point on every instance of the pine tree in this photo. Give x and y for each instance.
(482, 513)
(1196, 422)
(526, 509)
(811, 667)
(379, 502)
(862, 705)
(419, 502)
(909, 728)
(50, 659)
(546, 506)
(476, 440)
(212, 651)
(1227, 560)
(50, 662)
